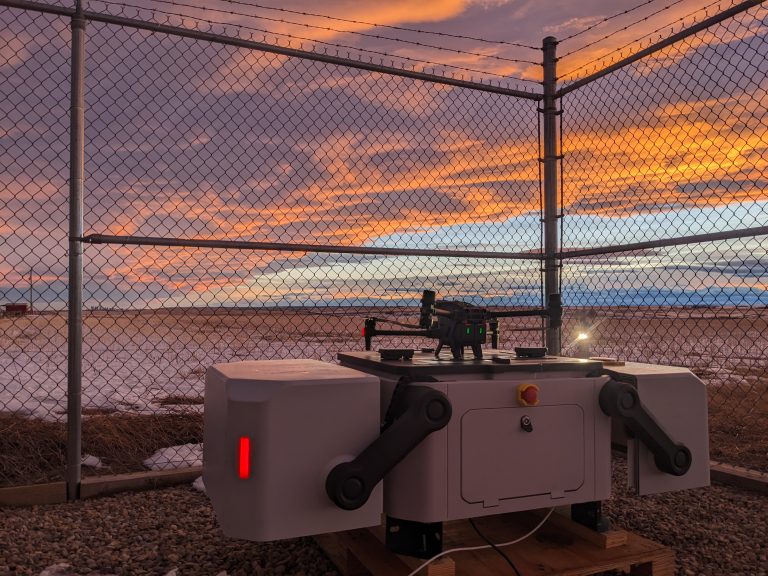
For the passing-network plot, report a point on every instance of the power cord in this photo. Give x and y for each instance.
(484, 547)
(492, 545)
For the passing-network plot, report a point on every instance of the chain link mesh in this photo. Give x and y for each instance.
(34, 160)
(674, 145)
(188, 139)
(193, 139)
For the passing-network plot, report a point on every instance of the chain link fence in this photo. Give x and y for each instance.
(34, 171)
(208, 143)
(674, 146)
(192, 139)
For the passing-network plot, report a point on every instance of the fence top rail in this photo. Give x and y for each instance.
(297, 247)
(711, 21)
(38, 7)
(665, 242)
(271, 48)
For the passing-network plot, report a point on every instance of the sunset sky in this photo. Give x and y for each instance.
(197, 140)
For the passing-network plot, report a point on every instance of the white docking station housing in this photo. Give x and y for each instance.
(273, 430)
(297, 447)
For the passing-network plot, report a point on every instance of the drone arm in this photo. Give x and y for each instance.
(370, 330)
(519, 313)
(554, 311)
(494, 330)
(402, 333)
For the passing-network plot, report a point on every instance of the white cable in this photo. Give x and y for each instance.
(469, 548)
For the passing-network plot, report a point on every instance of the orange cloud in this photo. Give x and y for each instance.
(242, 71)
(669, 151)
(392, 12)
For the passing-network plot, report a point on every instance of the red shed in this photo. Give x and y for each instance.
(16, 309)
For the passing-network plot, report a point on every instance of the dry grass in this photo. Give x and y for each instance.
(175, 400)
(96, 411)
(129, 439)
(33, 451)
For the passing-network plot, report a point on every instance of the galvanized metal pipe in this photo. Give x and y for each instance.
(75, 315)
(661, 243)
(39, 7)
(551, 208)
(291, 247)
(704, 24)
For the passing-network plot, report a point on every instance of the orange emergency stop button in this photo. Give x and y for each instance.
(528, 394)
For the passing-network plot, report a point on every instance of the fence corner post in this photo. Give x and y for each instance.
(551, 208)
(75, 288)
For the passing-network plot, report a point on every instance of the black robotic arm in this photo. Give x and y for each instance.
(621, 400)
(421, 411)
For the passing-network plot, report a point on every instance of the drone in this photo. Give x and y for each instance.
(459, 325)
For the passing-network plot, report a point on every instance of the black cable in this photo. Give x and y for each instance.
(608, 18)
(492, 545)
(623, 29)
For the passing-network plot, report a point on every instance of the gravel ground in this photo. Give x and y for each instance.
(141, 533)
(715, 531)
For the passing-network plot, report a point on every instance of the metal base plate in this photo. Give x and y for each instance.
(494, 362)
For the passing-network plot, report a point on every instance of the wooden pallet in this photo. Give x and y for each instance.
(559, 548)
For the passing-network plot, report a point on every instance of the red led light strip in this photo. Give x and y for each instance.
(244, 458)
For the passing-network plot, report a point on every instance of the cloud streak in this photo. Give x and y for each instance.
(197, 140)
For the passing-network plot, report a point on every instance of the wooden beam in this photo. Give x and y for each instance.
(51, 493)
(738, 477)
(93, 486)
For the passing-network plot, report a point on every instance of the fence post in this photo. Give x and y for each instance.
(551, 240)
(75, 314)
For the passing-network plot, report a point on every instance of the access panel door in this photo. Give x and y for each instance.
(522, 451)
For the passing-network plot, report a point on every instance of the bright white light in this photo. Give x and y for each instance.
(582, 336)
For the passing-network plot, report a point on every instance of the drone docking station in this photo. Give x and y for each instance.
(459, 325)
(302, 447)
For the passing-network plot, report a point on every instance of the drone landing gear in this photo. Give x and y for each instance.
(458, 351)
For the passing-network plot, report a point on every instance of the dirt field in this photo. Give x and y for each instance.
(143, 372)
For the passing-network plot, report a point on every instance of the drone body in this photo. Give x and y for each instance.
(464, 328)
(459, 325)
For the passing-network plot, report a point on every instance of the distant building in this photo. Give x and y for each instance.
(16, 309)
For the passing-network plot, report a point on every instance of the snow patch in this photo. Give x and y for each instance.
(181, 456)
(91, 461)
(120, 375)
(198, 484)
